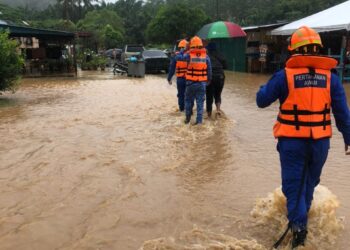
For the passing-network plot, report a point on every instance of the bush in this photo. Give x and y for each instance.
(89, 60)
(11, 63)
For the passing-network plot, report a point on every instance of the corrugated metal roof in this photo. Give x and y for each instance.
(265, 26)
(33, 32)
(332, 19)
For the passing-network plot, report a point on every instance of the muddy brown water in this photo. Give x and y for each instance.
(105, 162)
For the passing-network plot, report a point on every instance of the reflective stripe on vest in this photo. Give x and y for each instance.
(197, 66)
(181, 68)
(306, 111)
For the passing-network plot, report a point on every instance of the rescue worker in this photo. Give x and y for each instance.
(307, 92)
(179, 65)
(214, 89)
(197, 76)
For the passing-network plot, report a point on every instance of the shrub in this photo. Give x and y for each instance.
(89, 60)
(11, 63)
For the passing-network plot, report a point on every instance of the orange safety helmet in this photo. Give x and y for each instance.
(304, 36)
(196, 42)
(183, 43)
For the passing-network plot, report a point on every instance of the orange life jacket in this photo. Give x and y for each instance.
(197, 66)
(306, 111)
(181, 67)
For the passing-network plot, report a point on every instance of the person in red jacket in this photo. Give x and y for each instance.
(308, 92)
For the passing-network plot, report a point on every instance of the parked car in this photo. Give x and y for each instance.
(131, 50)
(156, 61)
(168, 52)
(109, 53)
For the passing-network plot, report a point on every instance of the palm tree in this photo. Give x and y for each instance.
(84, 4)
(70, 7)
(66, 7)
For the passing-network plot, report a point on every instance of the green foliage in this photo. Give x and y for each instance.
(291, 10)
(255, 12)
(89, 60)
(11, 63)
(112, 38)
(157, 21)
(105, 25)
(56, 24)
(174, 22)
(98, 19)
(12, 14)
(136, 15)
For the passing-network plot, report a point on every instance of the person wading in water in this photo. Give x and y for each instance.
(216, 85)
(178, 65)
(198, 74)
(307, 92)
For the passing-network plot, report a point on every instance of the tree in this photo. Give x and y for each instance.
(56, 24)
(104, 25)
(67, 8)
(12, 14)
(112, 38)
(73, 9)
(136, 16)
(10, 62)
(83, 5)
(161, 20)
(175, 22)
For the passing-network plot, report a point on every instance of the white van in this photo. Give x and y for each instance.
(131, 50)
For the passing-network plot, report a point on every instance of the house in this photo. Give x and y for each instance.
(263, 51)
(46, 52)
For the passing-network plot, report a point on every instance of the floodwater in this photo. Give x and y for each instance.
(105, 162)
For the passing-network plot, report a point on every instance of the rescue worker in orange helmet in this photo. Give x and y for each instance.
(307, 92)
(178, 65)
(198, 74)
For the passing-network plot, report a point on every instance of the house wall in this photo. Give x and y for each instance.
(275, 56)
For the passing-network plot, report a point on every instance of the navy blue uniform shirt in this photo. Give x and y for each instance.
(277, 88)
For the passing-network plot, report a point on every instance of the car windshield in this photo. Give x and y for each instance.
(134, 49)
(153, 53)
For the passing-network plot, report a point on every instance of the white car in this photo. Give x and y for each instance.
(131, 50)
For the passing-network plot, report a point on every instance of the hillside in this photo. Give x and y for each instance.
(32, 4)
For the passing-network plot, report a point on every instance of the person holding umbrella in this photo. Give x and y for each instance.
(225, 31)
(214, 89)
(307, 91)
(179, 65)
(221, 30)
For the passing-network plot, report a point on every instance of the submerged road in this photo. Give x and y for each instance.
(105, 162)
